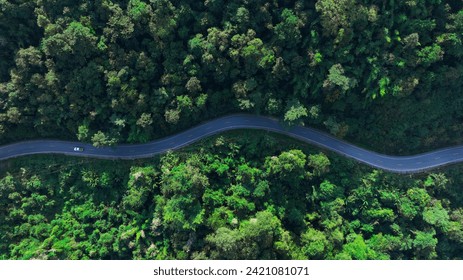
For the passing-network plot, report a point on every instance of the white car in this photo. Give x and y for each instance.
(78, 149)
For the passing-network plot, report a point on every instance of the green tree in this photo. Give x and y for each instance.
(254, 239)
(289, 165)
(314, 244)
(425, 244)
(320, 163)
(295, 113)
(287, 31)
(357, 249)
(100, 139)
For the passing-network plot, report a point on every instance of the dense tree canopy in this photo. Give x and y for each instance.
(384, 74)
(231, 200)
(381, 73)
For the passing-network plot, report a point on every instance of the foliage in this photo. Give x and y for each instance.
(231, 200)
(383, 74)
(138, 70)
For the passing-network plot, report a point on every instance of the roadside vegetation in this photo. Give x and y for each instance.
(237, 196)
(386, 75)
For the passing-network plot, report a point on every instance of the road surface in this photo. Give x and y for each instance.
(397, 164)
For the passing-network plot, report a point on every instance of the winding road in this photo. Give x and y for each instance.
(397, 164)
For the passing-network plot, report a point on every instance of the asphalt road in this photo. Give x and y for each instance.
(398, 164)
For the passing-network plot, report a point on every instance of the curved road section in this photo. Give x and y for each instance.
(398, 164)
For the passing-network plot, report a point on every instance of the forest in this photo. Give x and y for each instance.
(241, 195)
(383, 74)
